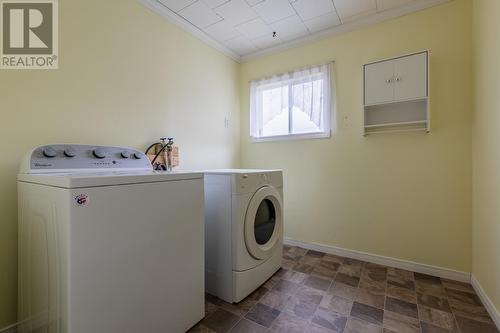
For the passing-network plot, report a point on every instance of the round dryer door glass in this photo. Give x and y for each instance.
(265, 221)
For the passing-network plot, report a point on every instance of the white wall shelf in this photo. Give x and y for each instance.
(396, 94)
(398, 124)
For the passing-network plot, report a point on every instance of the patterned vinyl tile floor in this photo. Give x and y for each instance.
(315, 292)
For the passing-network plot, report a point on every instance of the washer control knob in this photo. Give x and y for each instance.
(125, 154)
(99, 153)
(137, 156)
(49, 152)
(69, 152)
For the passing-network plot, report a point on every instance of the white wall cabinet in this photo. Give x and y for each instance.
(379, 86)
(410, 77)
(396, 94)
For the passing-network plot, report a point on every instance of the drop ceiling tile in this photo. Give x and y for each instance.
(200, 15)
(388, 4)
(350, 9)
(176, 5)
(308, 9)
(241, 45)
(253, 2)
(214, 3)
(322, 22)
(222, 31)
(236, 12)
(274, 10)
(254, 29)
(290, 28)
(267, 41)
(246, 26)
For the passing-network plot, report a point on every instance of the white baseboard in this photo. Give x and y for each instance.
(386, 261)
(488, 304)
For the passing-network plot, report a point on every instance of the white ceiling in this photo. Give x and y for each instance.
(245, 28)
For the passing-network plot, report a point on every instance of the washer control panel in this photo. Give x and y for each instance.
(61, 158)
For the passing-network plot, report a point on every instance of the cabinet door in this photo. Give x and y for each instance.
(410, 77)
(379, 87)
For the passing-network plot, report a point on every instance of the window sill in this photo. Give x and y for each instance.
(304, 136)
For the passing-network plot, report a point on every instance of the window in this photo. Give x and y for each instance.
(292, 105)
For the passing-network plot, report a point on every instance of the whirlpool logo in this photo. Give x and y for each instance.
(29, 36)
(82, 199)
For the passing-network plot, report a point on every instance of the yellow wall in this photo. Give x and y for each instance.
(126, 77)
(401, 195)
(486, 143)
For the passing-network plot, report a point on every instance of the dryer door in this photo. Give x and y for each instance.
(263, 222)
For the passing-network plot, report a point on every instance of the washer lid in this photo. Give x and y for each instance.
(96, 179)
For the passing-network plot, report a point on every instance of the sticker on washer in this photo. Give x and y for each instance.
(82, 199)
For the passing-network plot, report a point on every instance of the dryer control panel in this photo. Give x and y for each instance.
(71, 158)
(248, 182)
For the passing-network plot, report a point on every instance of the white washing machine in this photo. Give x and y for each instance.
(107, 245)
(243, 230)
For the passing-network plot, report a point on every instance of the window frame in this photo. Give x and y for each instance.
(327, 113)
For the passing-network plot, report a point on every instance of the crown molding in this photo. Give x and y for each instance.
(347, 27)
(360, 23)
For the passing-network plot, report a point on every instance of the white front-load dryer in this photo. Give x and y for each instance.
(243, 230)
